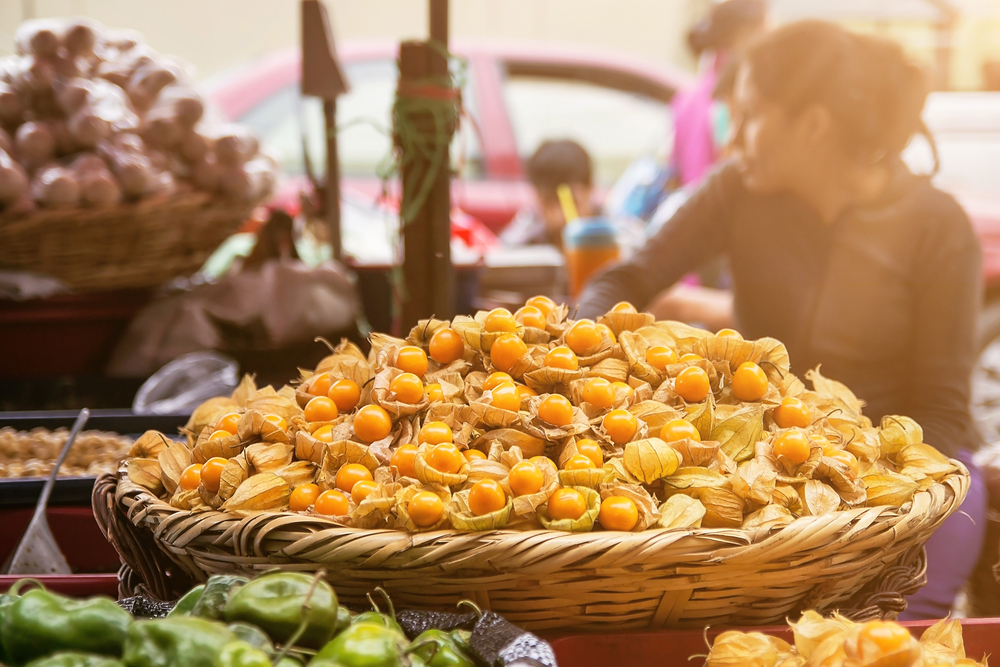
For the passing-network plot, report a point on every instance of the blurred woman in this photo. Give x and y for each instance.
(838, 250)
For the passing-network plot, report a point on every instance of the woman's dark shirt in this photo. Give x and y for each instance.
(885, 298)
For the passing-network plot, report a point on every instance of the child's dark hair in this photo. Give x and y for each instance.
(724, 24)
(874, 92)
(557, 162)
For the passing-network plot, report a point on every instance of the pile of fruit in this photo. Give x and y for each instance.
(91, 116)
(286, 619)
(33, 453)
(532, 420)
(839, 642)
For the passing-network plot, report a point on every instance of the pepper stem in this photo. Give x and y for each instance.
(388, 601)
(304, 623)
(475, 607)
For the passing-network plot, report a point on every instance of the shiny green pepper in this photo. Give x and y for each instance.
(73, 659)
(378, 619)
(39, 623)
(186, 604)
(438, 648)
(274, 602)
(241, 654)
(182, 641)
(344, 619)
(219, 590)
(252, 635)
(364, 645)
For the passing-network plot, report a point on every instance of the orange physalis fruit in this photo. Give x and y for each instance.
(402, 459)
(618, 513)
(556, 410)
(473, 455)
(486, 496)
(791, 412)
(679, 429)
(319, 385)
(278, 421)
(407, 387)
(445, 458)
(372, 423)
(566, 504)
(218, 435)
(692, 384)
(599, 393)
(320, 409)
(499, 320)
(530, 316)
(345, 394)
(583, 336)
(525, 478)
(350, 474)
(623, 307)
(620, 425)
(211, 473)
(494, 380)
(303, 497)
(446, 346)
(562, 357)
(749, 382)
(660, 356)
(412, 359)
(324, 433)
(434, 433)
(362, 489)
(228, 423)
(792, 445)
(332, 503)
(729, 333)
(506, 397)
(425, 509)
(578, 462)
(191, 477)
(506, 350)
(542, 303)
(592, 450)
(434, 392)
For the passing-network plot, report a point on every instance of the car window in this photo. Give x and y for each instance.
(615, 127)
(364, 121)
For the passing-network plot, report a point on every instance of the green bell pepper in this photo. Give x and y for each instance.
(438, 648)
(182, 641)
(73, 659)
(274, 602)
(344, 619)
(378, 619)
(252, 635)
(364, 645)
(186, 604)
(241, 654)
(40, 623)
(219, 590)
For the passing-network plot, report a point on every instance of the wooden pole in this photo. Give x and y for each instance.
(332, 194)
(427, 270)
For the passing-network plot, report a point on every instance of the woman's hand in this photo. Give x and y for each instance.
(711, 308)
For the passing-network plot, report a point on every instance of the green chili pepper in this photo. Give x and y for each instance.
(275, 602)
(344, 619)
(288, 662)
(241, 654)
(8, 599)
(462, 639)
(73, 659)
(438, 649)
(182, 641)
(364, 645)
(252, 635)
(186, 604)
(219, 590)
(39, 623)
(378, 619)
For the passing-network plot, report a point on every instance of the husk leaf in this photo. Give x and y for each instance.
(681, 511)
(651, 459)
(463, 519)
(738, 433)
(263, 491)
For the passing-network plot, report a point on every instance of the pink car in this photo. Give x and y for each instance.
(515, 97)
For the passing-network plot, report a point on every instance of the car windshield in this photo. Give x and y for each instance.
(364, 125)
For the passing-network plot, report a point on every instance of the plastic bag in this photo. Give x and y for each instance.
(185, 383)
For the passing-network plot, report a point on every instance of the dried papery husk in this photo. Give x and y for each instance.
(526, 506)
(263, 491)
(805, 469)
(489, 468)
(420, 335)
(376, 510)
(896, 432)
(649, 511)
(211, 499)
(346, 362)
(619, 322)
(270, 402)
(818, 498)
(189, 500)
(403, 497)
(888, 488)
(173, 461)
(767, 517)
(869, 654)
(548, 380)
(634, 346)
(609, 350)
(924, 459)
(254, 426)
(702, 415)
(533, 336)
(379, 343)
(491, 417)
(723, 508)
(342, 452)
(698, 453)
(149, 445)
(681, 511)
(787, 496)
(946, 634)
(308, 448)
(226, 448)
(863, 443)
(621, 473)
(384, 397)
(592, 478)
(833, 389)
(452, 384)
(428, 475)
(234, 473)
(146, 473)
(463, 519)
(691, 479)
(611, 369)
(746, 649)
(298, 473)
(812, 629)
(244, 390)
(509, 438)
(738, 432)
(650, 459)
(204, 416)
(842, 479)
(754, 481)
(540, 428)
(655, 414)
(268, 457)
(584, 524)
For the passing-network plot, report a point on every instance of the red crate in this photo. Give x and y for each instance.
(73, 585)
(77, 533)
(672, 648)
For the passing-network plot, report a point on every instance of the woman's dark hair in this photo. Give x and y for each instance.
(874, 92)
(557, 162)
(725, 21)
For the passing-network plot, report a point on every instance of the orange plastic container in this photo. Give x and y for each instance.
(590, 245)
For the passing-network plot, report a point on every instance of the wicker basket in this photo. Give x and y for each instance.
(138, 245)
(861, 561)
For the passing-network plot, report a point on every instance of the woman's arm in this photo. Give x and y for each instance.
(948, 295)
(695, 234)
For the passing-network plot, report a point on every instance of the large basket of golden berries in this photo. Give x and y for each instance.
(624, 473)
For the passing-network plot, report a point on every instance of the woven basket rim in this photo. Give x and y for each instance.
(157, 202)
(733, 543)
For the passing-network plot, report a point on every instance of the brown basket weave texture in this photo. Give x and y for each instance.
(143, 244)
(861, 561)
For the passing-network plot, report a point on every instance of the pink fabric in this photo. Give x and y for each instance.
(694, 148)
